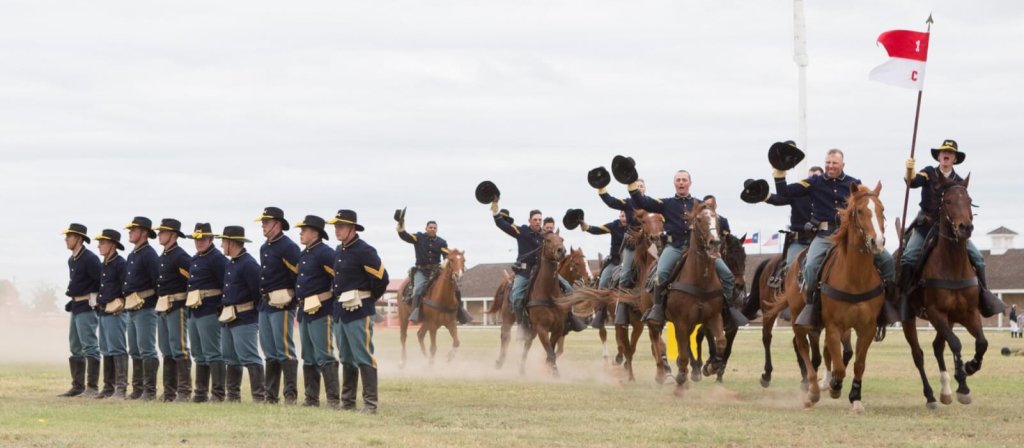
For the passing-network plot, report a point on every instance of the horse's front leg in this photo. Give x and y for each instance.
(683, 360)
(403, 333)
(802, 343)
(939, 350)
(548, 341)
(865, 336)
(420, 334)
(716, 346)
(834, 344)
(697, 352)
(527, 342)
(973, 326)
(943, 327)
(453, 330)
(433, 343)
(766, 341)
(910, 334)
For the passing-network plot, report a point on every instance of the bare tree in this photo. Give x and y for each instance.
(44, 299)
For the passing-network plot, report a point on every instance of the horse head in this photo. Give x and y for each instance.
(735, 258)
(574, 266)
(652, 224)
(553, 247)
(705, 233)
(955, 208)
(456, 261)
(865, 214)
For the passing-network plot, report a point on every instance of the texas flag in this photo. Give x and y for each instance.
(908, 52)
(752, 239)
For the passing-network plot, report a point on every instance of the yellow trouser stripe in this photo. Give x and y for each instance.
(330, 336)
(284, 333)
(367, 329)
(181, 329)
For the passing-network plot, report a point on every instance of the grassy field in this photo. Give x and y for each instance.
(469, 403)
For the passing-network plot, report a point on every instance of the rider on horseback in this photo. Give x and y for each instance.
(674, 209)
(930, 181)
(618, 230)
(828, 194)
(429, 250)
(599, 179)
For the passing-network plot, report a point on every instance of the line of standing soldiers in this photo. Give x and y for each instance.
(214, 308)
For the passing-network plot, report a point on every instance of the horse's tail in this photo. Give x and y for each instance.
(500, 295)
(776, 306)
(584, 300)
(753, 301)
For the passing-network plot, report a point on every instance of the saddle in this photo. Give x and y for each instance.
(431, 274)
(826, 268)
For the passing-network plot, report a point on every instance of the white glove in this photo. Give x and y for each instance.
(633, 186)
(494, 207)
(352, 304)
(778, 173)
(584, 226)
(910, 164)
(399, 227)
(602, 190)
(92, 299)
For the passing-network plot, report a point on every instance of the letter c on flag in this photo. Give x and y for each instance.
(913, 75)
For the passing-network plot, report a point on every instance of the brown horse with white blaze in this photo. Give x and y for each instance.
(439, 308)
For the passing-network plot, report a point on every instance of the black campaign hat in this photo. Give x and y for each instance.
(487, 192)
(506, 215)
(236, 233)
(78, 229)
(755, 191)
(346, 217)
(572, 219)
(203, 230)
(170, 225)
(784, 155)
(624, 169)
(274, 213)
(400, 215)
(949, 145)
(315, 222)
(599, 177)
(111, 235)
(143, 222)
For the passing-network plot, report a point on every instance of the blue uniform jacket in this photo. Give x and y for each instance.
(280, 262)
(241, 285)
(173, 277)
(84, 271)
(928, 180)
(528, 242)
(827, 195)
(142, 273)
(618, 231)
(428, 250)
(207, 272)
(111, 278)
(316, 273)
(799, 210)
(357, 267)
(723, 225)
(674, 209)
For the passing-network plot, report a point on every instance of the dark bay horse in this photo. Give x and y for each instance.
(695, 295)
(852, 295)
(439, 307)
(547, 318)
(949, 296)
(735, 257)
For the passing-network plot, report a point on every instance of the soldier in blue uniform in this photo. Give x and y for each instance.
(83, 287)
(141, 274)
(828, 194)
(549, 224)
(313, 288)
(205, 284)
(113, 320)
(172, 328)
(429, 249)
(627, 206)
(617, 229)
(929, 180)
(239, 314)
(723, 222)
(279, 258)
(359, 280)
(675, 210)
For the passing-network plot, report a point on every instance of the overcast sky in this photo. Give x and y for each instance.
(209, 111)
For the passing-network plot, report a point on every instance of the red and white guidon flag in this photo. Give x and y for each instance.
(908, 52)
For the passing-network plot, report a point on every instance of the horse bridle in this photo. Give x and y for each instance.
(702, 244)
(860, 230)
(944, 216)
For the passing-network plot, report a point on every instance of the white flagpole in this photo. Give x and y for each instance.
(800, 57)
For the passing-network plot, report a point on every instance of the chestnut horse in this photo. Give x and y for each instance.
(735, 257)
(438, 309)
(638, 301)
(852, 294)
(695, 295)
(547, 318)
(575, 270)
(949, 296)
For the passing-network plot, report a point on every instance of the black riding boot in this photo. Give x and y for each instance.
(108, 378)
(369, 374)
(170, 374)
(906, 283)
(311, 379)
(330, 373)
(257, 383)
(810, 316)
(349, 386)
(120, 376)
(576, 323)
(657, 311)
(217, 372)
(77, 366)
(735, 318)
(599, 317)
(149, 368)
(889, 314)
(183, 368)
(988, 304)
(233, 384)
(290, 372)
(202, 383)
(414, 316)
(463, 317)
(92, 377)
(273, 381)
(138, 385)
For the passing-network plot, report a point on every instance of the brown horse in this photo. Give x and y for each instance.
(547, 318)
(852, 294)
(949, 296)
(735, 257)
(439, 307)
(503, 306)
(575, 270)
(645, 260)
(695, 295)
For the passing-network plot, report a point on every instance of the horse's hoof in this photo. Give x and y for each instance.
(858, 407)
(946, 398)
(707, 370)
(972, 367)
(695, 375)
(814, 396)
(660, 378)
(619, 358)
(931, 405)
(718, 379)
(804, 386)
(963, 398)
(766, 381)
(835, 393)
(808, 404)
